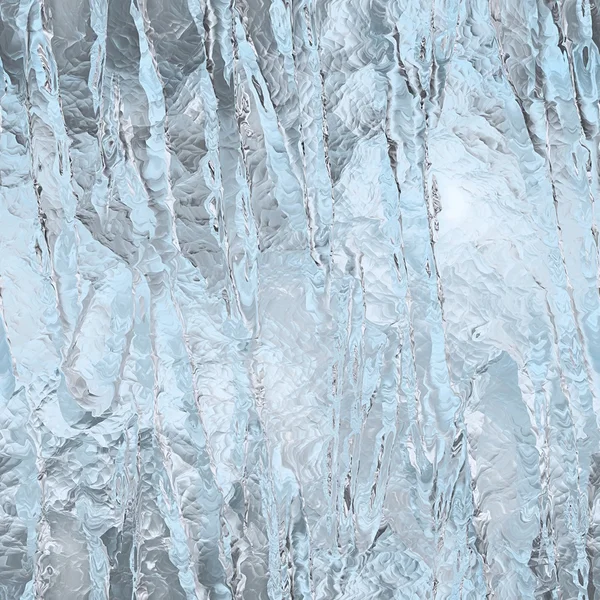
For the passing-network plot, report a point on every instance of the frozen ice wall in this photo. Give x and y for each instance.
(299, 299)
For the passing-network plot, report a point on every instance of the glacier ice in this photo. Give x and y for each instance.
(299, 299)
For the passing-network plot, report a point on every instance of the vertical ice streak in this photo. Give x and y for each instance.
(299, 299)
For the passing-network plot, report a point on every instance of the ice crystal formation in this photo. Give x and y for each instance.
(299, 299)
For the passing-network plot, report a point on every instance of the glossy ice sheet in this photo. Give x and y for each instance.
(299, 299)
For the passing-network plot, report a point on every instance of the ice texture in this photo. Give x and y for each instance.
(299, 299)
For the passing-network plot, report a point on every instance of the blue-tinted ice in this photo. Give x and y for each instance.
(299, 299)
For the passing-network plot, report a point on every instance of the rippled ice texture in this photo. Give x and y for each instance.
(299, 299)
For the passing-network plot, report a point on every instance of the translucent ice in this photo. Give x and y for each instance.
(299, 299)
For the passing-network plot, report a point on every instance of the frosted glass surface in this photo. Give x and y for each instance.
(299, 299)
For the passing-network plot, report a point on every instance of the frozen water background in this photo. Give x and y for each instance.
(299, 299)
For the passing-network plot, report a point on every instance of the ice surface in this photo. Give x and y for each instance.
(299, 299)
